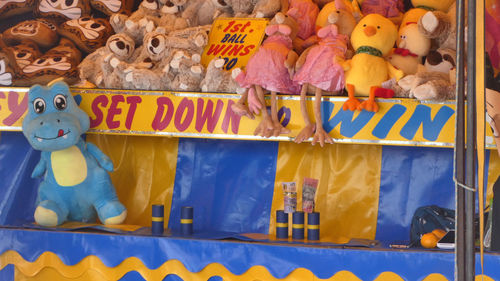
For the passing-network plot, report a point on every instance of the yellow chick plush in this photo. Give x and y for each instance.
(412, 45)
(372, 38)
(422, 7)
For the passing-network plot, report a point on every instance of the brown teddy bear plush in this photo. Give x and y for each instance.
(440, 27)
(436, 82)
(140, 22)
(149, 69)
(256, 8)
(189, 75)
(211, 9)
(96, 69)
(217, 80)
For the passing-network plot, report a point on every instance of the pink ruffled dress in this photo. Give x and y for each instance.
(305, 13)
(386, 8)
(320, 70)
(266, 67)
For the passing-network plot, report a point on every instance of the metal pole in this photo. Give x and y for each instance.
(460, 146)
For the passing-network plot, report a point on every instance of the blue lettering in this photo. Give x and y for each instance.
(431, 128)
(348, 127)
(226, 37)
(385, 124)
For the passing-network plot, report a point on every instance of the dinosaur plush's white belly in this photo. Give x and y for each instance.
(69, 166)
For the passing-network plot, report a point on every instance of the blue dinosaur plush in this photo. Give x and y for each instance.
(76, 182)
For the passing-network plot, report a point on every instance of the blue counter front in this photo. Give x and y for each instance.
(155, 258)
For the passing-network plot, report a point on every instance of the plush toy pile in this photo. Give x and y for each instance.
(53, 43)
(365, 48)
(368, 48)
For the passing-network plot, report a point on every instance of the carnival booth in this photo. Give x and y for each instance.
(246, 140)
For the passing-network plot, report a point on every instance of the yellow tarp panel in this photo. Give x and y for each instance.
(144, 172)
(348, 188)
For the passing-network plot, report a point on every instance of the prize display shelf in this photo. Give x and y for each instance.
(97, 255)
(403, 122)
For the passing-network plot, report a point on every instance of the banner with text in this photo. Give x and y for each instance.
(234, 40)
(399, 122)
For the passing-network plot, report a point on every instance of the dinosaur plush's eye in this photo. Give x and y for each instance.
(60, 102)
(39, 105)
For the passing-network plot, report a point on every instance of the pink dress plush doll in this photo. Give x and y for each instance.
(270, 68)
(391, 9)
(319, 66)
(304, 12)
(320, 69)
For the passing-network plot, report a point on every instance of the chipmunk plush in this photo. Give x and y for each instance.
(76, 184)
(372, 38)
(110, 7)
(59, 62)
(319, 66)
(40, 31)
(25, 53)
(62, 10)
(10, 8)
(87, 33)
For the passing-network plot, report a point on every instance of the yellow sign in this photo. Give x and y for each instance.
(398, 122)
(234, 40)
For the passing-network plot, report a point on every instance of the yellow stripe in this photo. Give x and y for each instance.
(347, 173)
(281, 224)
(186, 221)
(47, 261)
(157, 219)
(157, 172)
(296, 225)
(312, 226)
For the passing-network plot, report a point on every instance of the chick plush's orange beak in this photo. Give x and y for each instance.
(370, 31)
